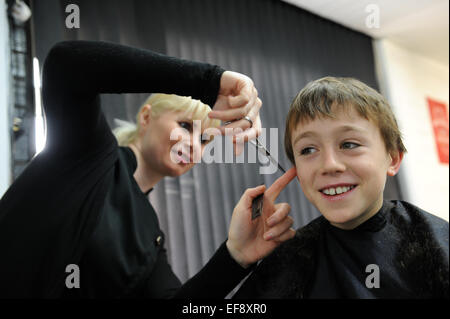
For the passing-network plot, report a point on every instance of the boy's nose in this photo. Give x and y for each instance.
(331, 164)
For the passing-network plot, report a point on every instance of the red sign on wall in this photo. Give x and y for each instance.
(439, 121)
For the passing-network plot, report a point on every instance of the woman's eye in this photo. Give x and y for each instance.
(349, 145)
(186, 125)
(307, 150)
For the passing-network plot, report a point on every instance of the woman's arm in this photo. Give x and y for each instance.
(216, 279)
(102, 67)
(76, 72)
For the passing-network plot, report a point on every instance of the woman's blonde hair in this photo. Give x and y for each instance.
(127, 132)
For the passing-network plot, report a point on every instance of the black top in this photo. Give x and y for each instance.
(78, 191)
(127, 242)
(125, 256)
(346, 259)
(401, 252)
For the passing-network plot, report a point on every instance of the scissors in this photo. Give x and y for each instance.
(265, 152)
(257, 203)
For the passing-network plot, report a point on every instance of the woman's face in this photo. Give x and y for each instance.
(171, 143)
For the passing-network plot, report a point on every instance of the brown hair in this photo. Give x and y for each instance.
(318, 97)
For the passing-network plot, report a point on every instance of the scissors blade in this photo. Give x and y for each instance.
(257, 203)
(265, 152)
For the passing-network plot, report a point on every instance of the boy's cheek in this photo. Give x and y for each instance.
(303, 183)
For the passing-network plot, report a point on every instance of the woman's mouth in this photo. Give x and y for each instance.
(181, 157)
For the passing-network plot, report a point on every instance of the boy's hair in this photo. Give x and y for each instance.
(127, 132)
(318, 97)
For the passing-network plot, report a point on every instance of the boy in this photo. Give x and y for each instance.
(343, 139)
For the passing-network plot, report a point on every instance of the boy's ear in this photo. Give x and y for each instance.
(396, 159)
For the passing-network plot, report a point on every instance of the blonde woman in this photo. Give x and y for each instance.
(172, 119)
(77, 222)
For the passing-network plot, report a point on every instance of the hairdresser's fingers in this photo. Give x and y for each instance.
(288, 234)
(240, 220)
(249, 118)
(281, 212)
(226, 110)
(229, 115)
(237, 86)
(250, 133)
(246, 99)
(237, 91)
(254, 108)
(275, 189)
(242, 126)
(250, 194)
(278, 229)
(237, 101)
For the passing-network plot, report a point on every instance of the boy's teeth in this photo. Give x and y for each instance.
(337, 190)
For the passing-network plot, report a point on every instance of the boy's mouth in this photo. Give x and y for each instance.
(337, 189)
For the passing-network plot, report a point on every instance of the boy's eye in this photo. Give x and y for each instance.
(307, 151)
(349, 145)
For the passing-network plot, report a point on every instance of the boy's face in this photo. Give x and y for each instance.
(342, 165)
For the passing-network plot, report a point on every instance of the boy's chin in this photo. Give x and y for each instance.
(342, 219)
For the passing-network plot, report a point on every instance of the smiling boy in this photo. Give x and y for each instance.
(344, 141)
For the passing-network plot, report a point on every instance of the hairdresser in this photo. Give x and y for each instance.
(81, 204)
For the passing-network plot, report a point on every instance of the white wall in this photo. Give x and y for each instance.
(5, 150)
(406, 80)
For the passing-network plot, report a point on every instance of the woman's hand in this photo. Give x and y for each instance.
(238, 98)
(251, 240)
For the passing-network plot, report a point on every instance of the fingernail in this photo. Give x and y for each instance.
(268, 236)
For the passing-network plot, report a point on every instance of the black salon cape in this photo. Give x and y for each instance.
(408, 246)
(49, 214)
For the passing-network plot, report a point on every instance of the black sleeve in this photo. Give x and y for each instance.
(216, 279)
(76, 72)
(162, 282)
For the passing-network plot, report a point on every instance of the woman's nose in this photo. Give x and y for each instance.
(195, 148)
